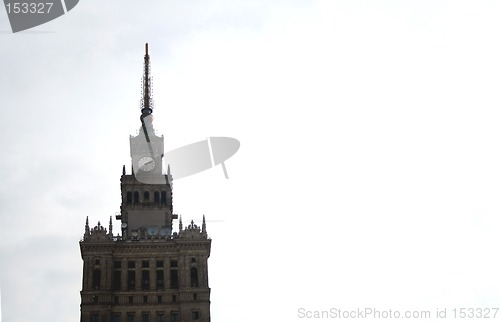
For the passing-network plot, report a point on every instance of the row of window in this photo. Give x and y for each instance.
(144, 263)
(145, 299)
(133, 198)
(145, 279)
(145, 317)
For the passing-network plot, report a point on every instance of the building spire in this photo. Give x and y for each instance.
(87, 228)
(146, 100)
(204, 226)
(110, 226)
(180, 223)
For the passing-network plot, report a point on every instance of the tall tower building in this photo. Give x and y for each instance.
(149, 272)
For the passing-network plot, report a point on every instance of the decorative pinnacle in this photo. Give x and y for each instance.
(169, 175)
(87, 228)
(180, 223)
(110, 226)
(146, 101)
(204, 225)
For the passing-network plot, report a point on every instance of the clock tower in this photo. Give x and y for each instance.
(149, 272)
(147, 192)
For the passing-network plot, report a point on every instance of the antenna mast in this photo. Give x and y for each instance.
(146, 101)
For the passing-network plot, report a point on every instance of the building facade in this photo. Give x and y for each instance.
(149, 272)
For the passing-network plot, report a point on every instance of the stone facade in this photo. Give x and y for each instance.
(145, 279)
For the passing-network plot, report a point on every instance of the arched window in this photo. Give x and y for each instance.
(163, 197)
(129, 197)
(146, 195)
(194, 277)
(157, 197)
(136, 197)
(96, 279)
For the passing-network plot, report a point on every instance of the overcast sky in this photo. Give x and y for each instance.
(368, 173)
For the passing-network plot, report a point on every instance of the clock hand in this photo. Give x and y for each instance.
(146, 100)
(146, 134)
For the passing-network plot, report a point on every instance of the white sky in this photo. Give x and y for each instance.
(368, 173)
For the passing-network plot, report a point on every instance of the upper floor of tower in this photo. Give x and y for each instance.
(146, 209)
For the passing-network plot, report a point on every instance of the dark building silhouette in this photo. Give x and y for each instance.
(148, 273)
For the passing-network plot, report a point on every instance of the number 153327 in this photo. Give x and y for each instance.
(25, 7)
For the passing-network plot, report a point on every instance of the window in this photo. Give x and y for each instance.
(145, 317)
(131, 299)
(157, 197)
(96, 279)
(159, 298)
(94, 317)
(115, 318)
(145, 280)
(195, 315)
(159, 279)
(117, 299)
(194, 277)
(163, 197)
(174, 316)
(146, 195)
(131, 264)
(159, 263)
(174, 298)
(195, 296)
(131, 280)
(117, 280)
(136, 197)
(174, 278)
(160, 317)
(130, 317)
(97, 261)
(193, 259)
(117, 264)
(95, 299)
(129, 197)
(145, 299)
(145, 264)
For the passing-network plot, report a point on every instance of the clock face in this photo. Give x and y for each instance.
(146, 164)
